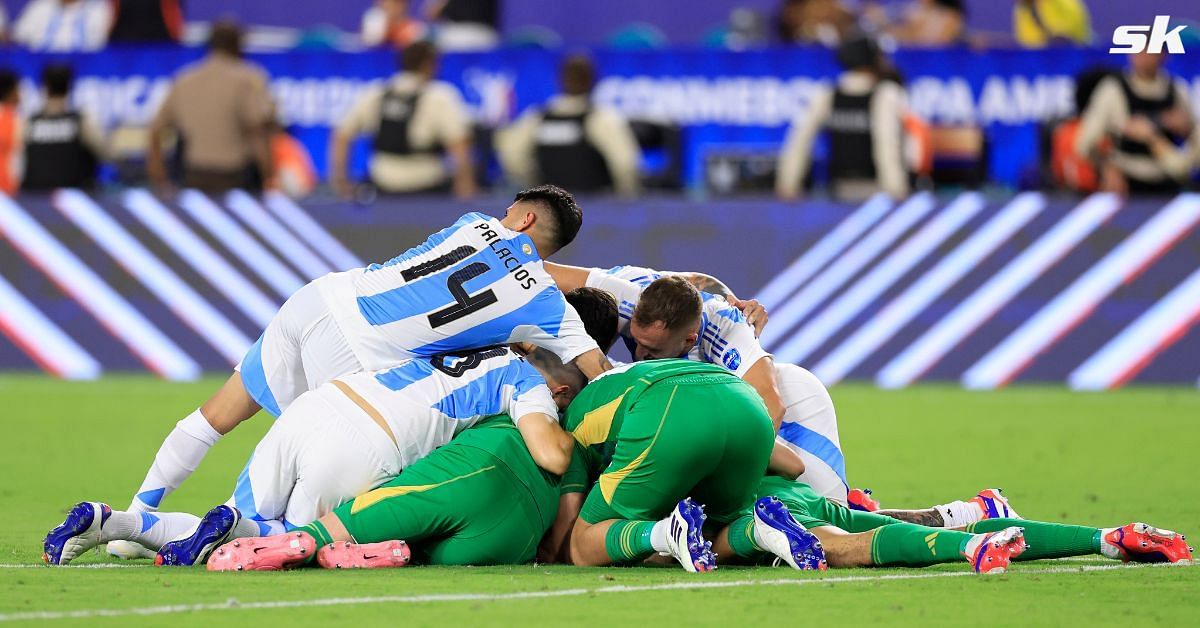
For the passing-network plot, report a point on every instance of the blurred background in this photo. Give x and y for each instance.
(949, 189)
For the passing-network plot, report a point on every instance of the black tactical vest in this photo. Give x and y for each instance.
(1149, 107)
(395, 119)
(565, 157)
(850, 146)
(55, 156)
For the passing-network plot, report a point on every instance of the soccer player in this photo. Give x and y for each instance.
(663, 436)
(661, 315)
(344, 438)
(479, 500)
(477, 283)
(862, 539)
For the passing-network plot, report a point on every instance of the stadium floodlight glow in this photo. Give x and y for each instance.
(931, 285)
(121, 319)
(815, 258)
(985, 301)
(295, 217)
(43, 341)
(275, 234)
(1058, 317)
(1130, 351)
(847, 265)
(243, 294)
(229, 233)
(884, 275)
(160, 280)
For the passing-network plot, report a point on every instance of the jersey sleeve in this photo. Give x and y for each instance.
(728, 340)
(560, 330)
(627, 293)
(531, 396)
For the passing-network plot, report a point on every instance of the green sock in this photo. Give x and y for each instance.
(911, 545)
(628, 541)
(741, 538)
(319, 533)
(1046, 540)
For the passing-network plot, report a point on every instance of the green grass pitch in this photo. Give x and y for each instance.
(1101, 459)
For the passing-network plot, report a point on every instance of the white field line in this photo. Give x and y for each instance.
(527, 595)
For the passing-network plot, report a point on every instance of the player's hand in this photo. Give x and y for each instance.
(754, 312)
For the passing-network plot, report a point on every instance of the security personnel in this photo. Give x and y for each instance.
(414, 121)
(62, 146)
(572, 142)
(1146, 114)
(863, 117)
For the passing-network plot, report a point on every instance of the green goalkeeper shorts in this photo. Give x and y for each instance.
(813, 510)
(478, 500)
(704, 436)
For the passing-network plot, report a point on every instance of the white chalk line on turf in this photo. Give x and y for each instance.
(233, 605)
(91, 566)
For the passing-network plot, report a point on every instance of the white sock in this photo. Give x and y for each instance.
(658, 535)
(151, 530)
(178, 457)
(248, 528)
(959, 513)
(1108, 550)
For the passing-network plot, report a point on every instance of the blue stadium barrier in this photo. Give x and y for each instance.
(1094, 292)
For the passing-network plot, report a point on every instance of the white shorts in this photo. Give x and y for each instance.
(323, 451)
(301, 348)
(810, 429)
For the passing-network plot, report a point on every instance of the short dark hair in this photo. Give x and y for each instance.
(8, 83)
(57, 78)
(577, 75)
(598, 310)
(225, 36)
(565, 215)
(416, 55)
(671, 300)
(549, 364)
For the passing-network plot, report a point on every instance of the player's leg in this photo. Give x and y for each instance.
(638, 505)
(319, 454)
(431, 499)
(1131, 542)
(90, 523)
(989, 503)
(810, 429)
(710, 439)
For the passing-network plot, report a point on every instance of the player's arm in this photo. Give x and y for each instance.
(762, 377)
(785, 462)
(549, 445)
(709, 284)
(556, 543)
(593, 364)
(568, 278)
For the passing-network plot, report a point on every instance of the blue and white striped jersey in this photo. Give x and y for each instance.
(426, 401)
(725, 337)
(473, 284)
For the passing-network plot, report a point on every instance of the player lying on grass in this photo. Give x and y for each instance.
(344, 438)
(477, 283)
(455, 508)
(852, 538)
(479, 500)
(639, 426)
(663, 318)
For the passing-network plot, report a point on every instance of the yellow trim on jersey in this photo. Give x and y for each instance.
(371, 498)
(608, 481)
(596, 424)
